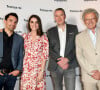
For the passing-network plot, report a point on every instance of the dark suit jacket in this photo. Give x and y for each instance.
(17, 53)
(54, 46)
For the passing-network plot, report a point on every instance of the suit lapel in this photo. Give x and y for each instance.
(1, 44)
(88, 40)
(14, 44)
(66, 46)
(67, 31)
(98, 39)
(57, 38)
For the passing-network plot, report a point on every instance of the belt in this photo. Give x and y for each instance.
(5, 71)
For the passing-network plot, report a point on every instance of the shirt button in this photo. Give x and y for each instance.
(96, 53)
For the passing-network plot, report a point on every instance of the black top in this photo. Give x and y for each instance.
(7, 48)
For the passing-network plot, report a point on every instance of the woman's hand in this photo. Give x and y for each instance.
(40, 76)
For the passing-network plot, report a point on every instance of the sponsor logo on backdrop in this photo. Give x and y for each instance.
(45, 10)
(60, 0)
(90, 0)
(1, 18)
(76, 11)
(14, 7)
(25, 20)
(18, 32)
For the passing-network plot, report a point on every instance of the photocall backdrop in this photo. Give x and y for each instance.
(45, 8)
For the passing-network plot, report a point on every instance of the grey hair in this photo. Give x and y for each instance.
(90, 10)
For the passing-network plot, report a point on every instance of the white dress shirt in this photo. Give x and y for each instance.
(93, 36)
(62, 38)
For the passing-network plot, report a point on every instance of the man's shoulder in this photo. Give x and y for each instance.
(52, 29)
(71, 25)
(81, 34)
(72, 28)
(18, 36)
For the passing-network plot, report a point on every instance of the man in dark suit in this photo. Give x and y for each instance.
(11, 53)
(62, 58)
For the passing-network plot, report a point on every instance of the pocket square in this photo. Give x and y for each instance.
(71, 33)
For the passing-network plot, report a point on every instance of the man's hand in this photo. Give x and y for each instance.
(14, 73)
(63, 63)
(1, 74)
(64, 60)
(63, 66)
(96, 74)
(1, 30)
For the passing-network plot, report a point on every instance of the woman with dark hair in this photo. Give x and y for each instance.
(36, 54)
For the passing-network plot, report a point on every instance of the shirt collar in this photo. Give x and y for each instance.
(60, 30)
(91, 30)
(7, 34)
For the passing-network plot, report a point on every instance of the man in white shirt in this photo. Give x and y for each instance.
(88, 50)
(62, 59)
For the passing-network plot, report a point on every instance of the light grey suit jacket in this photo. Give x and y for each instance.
(88, 56)
(17, 53)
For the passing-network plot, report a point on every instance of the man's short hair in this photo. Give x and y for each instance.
(61, 10)
(11, 14)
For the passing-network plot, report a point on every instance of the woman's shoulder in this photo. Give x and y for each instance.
(24, 35)
(44, 37)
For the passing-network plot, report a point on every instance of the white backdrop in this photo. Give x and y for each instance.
(45, 8)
